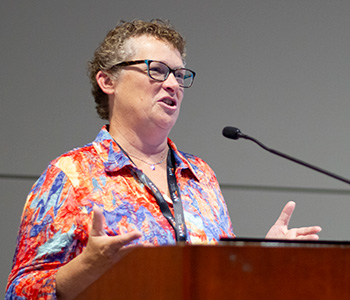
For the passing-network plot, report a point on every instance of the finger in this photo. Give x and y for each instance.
(126, 238)
(286, 214)
(97, 222)
(308, 230)
(122, 242)
(311, 237)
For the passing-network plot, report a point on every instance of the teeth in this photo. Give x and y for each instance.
(168, 102)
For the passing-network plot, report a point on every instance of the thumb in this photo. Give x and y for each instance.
(286, 214)
(97, 222)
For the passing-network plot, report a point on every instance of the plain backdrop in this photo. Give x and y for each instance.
(277, 69)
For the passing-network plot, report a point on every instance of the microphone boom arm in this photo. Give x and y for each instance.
(298, 161)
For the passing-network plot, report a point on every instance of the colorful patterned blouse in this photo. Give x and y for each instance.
(58, 211)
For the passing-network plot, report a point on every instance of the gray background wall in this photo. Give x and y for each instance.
(277, 69)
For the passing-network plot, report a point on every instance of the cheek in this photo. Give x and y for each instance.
(180, 97)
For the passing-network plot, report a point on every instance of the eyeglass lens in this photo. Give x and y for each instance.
(160, 71)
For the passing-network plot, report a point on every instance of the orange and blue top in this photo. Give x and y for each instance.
(58, 212)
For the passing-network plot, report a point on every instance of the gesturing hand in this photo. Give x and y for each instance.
(100, 254)
(103, 250)
(280, 229)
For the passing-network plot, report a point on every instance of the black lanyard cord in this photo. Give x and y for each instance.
(175, 197)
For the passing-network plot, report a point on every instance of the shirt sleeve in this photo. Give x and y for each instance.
(52, 224)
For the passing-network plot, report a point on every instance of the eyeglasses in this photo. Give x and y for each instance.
(159, 71)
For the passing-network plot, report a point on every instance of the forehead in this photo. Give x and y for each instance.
(149, 47)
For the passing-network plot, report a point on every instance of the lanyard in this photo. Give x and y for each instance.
(177, 221)
(175, 196)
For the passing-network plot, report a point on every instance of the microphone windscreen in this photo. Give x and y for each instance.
(231, 132)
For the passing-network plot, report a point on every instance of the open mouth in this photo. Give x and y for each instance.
(169, 101)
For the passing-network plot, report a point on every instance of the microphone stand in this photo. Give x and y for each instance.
(235, 133)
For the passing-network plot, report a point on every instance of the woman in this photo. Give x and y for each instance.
(131, 186)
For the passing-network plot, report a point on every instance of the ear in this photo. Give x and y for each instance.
(105, 83)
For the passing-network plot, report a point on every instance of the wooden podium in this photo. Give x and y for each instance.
(233, 270)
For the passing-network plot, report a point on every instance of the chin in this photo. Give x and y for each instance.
(167, 125)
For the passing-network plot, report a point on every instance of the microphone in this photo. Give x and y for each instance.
(235, 134)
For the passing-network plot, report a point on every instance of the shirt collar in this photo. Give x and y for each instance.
(114, 158)
(180, 160)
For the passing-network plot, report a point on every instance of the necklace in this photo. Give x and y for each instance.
(152, 165)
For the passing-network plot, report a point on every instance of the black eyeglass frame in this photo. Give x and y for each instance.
(148, 61)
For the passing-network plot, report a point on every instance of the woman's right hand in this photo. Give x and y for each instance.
(101, 253)
(103, 250)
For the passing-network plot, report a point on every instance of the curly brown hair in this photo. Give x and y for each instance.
(112, 51)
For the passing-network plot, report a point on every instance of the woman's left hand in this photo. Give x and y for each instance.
(280, 229)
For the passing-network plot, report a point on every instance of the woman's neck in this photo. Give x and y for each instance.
(143, 146)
